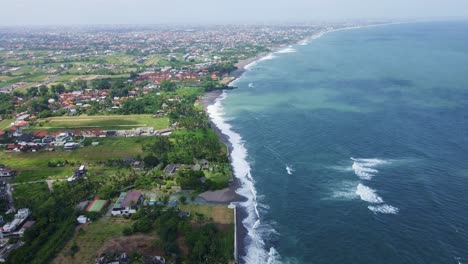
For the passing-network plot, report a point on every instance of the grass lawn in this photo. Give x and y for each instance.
(220, 174)
(30, 195)
(33, 166)
(90, 239)
(105, 122)
(5, 123)
(220, 214)
(27, 175)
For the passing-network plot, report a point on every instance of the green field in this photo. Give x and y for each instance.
(33, 166)
(110, 122)
(5, 123)
(91, 239)
(220, 214)
(219, 175)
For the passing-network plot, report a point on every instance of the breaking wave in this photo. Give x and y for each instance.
(383, 209)
(367, 194)
(256, 251)
(289, 49)
(289, 169)
(270, 56)
(364, 168)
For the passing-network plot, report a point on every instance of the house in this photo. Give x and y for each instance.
(196, 167)
(25, 138)
(71, 146)
(24, 117)
(20, 218)
(80, 172)
(48, 139)
(6, 172)
(129, 160)
(40, 134)
(172, 168)
(22, 124)
(127, 203)
(138, 165)
(82, 219)
(13, 147)
(164, 132)
(63, 137)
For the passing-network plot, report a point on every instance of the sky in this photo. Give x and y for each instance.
(75, 12)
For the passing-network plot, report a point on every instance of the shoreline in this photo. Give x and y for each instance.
(229, 194)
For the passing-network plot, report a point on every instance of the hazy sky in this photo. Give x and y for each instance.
(61, 12)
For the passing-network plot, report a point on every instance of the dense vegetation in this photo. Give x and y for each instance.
(55, 216)
(205, 241)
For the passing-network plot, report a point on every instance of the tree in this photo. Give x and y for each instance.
(208, 84)
(133, 75)
(168, 86)
(142, 225)
(151, 161)
(39, 104)
(58, 89)
(161, 148)
(32, 92)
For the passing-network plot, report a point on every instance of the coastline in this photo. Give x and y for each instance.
(230, 195)
(213, 97)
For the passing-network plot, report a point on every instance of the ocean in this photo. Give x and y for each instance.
(353, 147)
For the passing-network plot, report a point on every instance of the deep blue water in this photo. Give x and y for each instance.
(395, 99)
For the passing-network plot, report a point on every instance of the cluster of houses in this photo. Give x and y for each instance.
(169, 74)
(33, 141)
(14, 229)
(18, 225)
(77, 99)
(37, 140)
(127, 203)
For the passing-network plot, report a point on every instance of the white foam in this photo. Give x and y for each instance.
(372, 162)
(364, 168)
(289, 169)
(367, 194)
(289, 49)
(269, 56)
(251, 85)
(344, 191)
(273, 256)
(383, 209)
(256, 231)
(363, 172)
(341, 168)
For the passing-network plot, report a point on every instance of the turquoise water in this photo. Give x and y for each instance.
(354, 147)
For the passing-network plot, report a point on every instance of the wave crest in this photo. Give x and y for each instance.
(383, 209)
(256, 230)
(367, 194)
